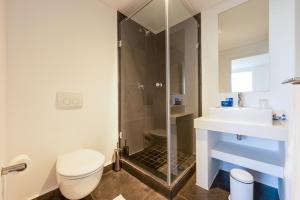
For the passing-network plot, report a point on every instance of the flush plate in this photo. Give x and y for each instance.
(68, 100)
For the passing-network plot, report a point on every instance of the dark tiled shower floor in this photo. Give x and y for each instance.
(154, 159)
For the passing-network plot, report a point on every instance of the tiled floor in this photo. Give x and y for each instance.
(114, 184)
(154, 159)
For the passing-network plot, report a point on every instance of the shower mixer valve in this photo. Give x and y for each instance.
(158, 84)
(141, 86)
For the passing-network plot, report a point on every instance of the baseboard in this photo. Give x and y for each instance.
(51, 189)
(108, 168)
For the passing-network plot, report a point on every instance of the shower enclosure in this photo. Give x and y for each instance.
(159, 76)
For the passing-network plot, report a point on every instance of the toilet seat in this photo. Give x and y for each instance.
(79, 164)
(81, 176)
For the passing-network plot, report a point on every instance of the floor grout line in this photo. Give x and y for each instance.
(92, 196)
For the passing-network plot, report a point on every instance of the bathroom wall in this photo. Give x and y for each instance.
(2, 85)
(142, 65)
(3, 67)
(293, 168)
(281, 41)
(59, 45)
(297, 10)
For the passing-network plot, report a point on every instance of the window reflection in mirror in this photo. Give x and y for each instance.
(244, 48)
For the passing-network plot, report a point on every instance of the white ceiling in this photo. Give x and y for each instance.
(245, 24)
(152, 16)
(128, 6)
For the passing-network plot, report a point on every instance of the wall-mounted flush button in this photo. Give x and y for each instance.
(68, 100)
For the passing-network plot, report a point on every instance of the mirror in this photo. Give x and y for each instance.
(244, 63)
(177, 55)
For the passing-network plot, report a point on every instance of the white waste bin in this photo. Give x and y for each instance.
(241, 185)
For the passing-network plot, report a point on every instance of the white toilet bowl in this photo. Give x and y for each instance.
(78, 173)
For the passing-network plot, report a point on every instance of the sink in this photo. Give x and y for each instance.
(242, 114)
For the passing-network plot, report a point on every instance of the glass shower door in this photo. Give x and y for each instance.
(143, 89)
(159, 88)
(183, 87)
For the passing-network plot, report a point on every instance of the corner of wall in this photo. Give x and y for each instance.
(3, 72)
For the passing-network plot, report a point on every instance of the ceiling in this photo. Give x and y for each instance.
(128, 6)
(152, 15)
(245, 24)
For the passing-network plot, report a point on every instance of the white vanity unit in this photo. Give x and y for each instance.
(259, 148)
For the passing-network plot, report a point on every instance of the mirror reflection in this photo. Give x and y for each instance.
(177, 72)
(244, 48)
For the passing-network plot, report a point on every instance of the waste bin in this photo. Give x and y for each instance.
(241, 185)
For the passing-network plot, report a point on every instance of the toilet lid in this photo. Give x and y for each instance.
(79, 162)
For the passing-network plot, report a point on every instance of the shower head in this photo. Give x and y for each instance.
(145, 31)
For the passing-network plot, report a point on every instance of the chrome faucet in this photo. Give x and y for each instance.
(240, 100)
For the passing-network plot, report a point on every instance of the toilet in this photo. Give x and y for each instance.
(78, 173)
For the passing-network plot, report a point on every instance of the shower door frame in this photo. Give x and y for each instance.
(197, 17)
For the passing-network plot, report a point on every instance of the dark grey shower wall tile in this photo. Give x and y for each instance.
(133, 65)
(134, 133)
(134, 102)
(150, 123)
(133, 35)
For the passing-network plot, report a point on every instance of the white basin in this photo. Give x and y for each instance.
(243, 115)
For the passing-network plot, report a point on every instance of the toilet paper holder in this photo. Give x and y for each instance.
(13, 168)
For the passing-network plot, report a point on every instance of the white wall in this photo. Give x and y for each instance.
(297, 22)
(2, 77)
(2, 85)
(59, 45)
(282, 55)
(293, 168)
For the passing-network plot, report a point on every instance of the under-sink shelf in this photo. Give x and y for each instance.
(261, 160)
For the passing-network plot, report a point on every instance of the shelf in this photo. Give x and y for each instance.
(174, 117)
(276, 131)
(261, 160)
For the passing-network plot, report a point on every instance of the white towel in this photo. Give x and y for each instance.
(120, 197)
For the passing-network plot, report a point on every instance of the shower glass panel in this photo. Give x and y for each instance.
(183, 90)
(143, 89)
(159, 88)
